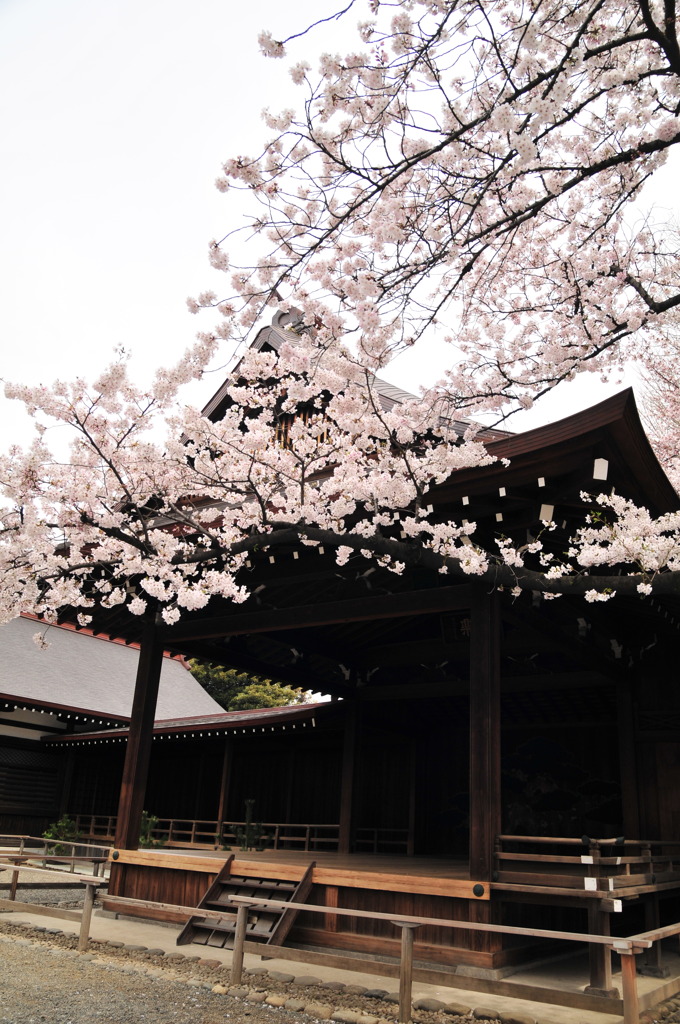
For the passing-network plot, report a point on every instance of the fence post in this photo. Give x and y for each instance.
(405, 969)
(631, 1009)
(239, 939)
(13, 885)
(86, 916)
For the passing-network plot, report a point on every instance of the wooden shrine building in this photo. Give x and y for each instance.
(478, 744)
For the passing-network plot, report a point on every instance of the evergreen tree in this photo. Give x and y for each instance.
(238, 691)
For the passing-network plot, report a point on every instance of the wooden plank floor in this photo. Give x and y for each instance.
(434, 867)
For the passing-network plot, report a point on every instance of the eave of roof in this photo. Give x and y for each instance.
(613, 424)
(250, 721)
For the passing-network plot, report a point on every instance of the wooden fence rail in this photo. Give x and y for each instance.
(627, 947)
(91, 883)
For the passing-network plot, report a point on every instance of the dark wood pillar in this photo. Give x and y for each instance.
(630, 808)
(67, 779)
(138, 753)
(485, 733)
(225, 779)
(349, 745)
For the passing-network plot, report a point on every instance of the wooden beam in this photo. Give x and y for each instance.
(384, 606)
(628, 759)
(485, 732)
(138, 751)
(348, 770)
(225, 778)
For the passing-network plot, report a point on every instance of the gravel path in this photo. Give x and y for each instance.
(58, 986)
(44, 980)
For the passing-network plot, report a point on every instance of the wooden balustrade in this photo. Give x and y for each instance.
(302, 836)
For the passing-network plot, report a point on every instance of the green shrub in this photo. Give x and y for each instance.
(64, 830)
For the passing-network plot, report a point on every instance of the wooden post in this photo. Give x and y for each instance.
(347, 777)
(86, 917)
(600, 956)
(412, 798)
(66, 781)
(405, 970)
(485, 732)
(13, 885)
(631, 1009)
(225, 779)
(138, 753)
(651, 965)
(239, 939)
(630, 806)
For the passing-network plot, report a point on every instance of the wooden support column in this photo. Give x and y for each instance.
(67, 779)
(225, 779)
(600, 957)
(349, 748)
(630, 806)
(485, 732)
(138, 753)
(412, 797)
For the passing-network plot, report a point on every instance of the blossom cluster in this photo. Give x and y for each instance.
(470, 167)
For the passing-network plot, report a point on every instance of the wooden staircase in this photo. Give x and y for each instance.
(267, 926)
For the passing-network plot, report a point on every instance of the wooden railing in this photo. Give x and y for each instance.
(589, 867)
(627, 947)
(53, 851)
(273, 835)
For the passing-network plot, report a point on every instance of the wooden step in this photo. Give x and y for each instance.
(267, 925)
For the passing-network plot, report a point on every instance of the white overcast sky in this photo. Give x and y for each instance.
(115, 119)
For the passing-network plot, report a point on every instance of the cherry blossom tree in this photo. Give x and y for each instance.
(661, 405)
(468, 166)
(471, 165)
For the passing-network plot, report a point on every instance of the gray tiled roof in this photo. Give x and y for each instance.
(89, 673)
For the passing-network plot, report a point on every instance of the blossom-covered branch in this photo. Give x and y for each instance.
(471, 166)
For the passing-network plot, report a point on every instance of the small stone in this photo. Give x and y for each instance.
(87, 956)
(334, 986)
(294, 1004)
(428, 1004)
(256, 997)
(514, 1018)
(135, 949)
(275, 1000)
(280, 976)
(156, 952)
(375, 993)
(319, 1010)
(254, 971)
(483, 1013)
(239, 991)
(192, 959)
(210, 963)
(173, 956)
(220, 990)
(365, 1018)
(345, 1016)
(355, 990)
(457, 1009)
(306, 979)
(195, 982)
(115, 944)
(391, 997)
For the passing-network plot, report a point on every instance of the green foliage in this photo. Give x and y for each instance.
(146, 837)
(238, 691)
(64, 830)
